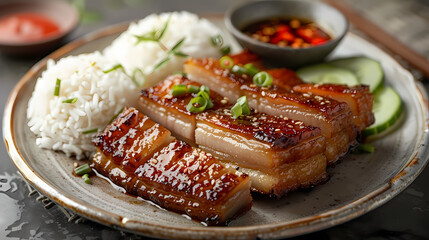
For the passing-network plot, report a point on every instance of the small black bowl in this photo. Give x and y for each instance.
(329, 18)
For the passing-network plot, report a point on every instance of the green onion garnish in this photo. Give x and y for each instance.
(116, 67)
(239, 70)
(115, 116)
(178, 90)
(226, 62)
(85, 178)
(90, 131)
(240, 108)
(205, 94)
(225, 50)
(251, 69)
(217, 40)
(193, 89)
(197, 105)
(57, 87)
(366, 148)
(204, 88)
(262, 79)
(81, 170)
(71, 100)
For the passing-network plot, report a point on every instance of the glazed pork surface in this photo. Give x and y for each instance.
(263, 145)
(334, 118)
(141, 156)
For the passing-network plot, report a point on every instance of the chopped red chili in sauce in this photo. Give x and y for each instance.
(26, 27)
(296, 33)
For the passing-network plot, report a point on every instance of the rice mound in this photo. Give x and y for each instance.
(60, 126)
(147, 54)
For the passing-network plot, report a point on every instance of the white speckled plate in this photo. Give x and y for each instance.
(358, 184)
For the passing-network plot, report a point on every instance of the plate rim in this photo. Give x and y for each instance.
(274, 230)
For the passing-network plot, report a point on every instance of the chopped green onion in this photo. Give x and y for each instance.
(160, 64)
(94, 130)
(226, 62)
(180, 54)
(71, 100)
(180, 73)
(177, 46)
(81, 170)
(204, 88)
(57, 87)
(85, 178)
(239, 70)
(251, 69)
(161, 33)
(206, 95)
(225, 50)
(366, 148)
(134, 77)
(115, 116)
(217, 40)
(193, 89)
(116, 67)
(240, 108)
(197, 104)
(178, 90)
(262, 79)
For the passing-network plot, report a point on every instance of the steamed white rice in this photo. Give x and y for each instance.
(146, 55)
(100, 95)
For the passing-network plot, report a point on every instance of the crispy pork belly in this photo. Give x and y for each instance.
(259, 142)
(162, 107)
(358, 98)
(171, 173)
(334, 118)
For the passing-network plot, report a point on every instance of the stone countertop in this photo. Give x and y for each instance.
(25, 217)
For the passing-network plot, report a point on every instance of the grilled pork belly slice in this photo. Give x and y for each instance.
(304, 173)
(162, 107)
(258, 141)
(331, 116)
(131, 139)
(173, 174)
(359, 98)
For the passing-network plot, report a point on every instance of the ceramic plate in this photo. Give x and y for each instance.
(358, 184)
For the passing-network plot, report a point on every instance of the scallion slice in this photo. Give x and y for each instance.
(262, 79)
(90, 131)
(366, 148)
(239, 70)
(204, 88)
(225, 50)
(178, 90)
(193, 89)
(251, 69)
(57, 87)
(206, 95)
(226, 62)
(81, 170)
(71, 100)
(217, 40)
(116, 67)
(85, 178)
(240, 108)
(197, 104)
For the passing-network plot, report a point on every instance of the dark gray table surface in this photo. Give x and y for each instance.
(23, 217)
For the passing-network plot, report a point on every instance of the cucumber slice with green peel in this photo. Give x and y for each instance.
(387, 109)
(367, 70)
(327, 74)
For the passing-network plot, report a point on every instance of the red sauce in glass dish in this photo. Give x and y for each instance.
(26, 27)
(295, 33)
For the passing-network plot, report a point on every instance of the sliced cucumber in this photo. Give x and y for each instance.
(327, 74)
(368, 71)
(387, 109)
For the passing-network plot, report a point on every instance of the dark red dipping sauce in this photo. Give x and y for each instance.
(26, 27)
(296, 33)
